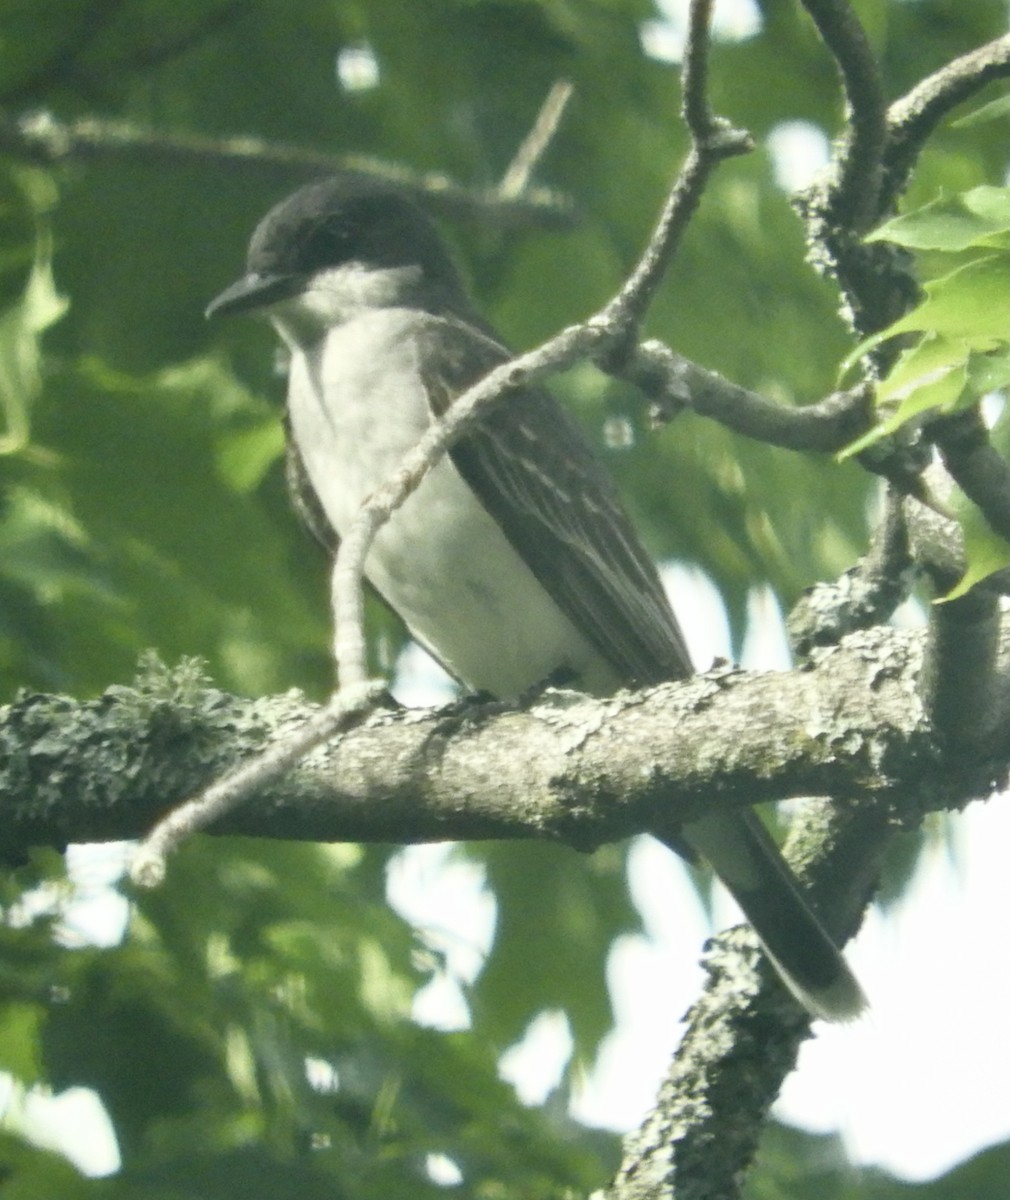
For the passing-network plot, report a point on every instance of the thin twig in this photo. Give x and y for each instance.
(694, 105)
(563, 350)
(712, 140)
(345, 709)
(520, 170)
(42, 137)
(673, 383)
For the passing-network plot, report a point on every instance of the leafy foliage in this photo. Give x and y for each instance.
(960, 353)
(141, 505)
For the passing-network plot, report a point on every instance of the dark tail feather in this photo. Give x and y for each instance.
(746, 859)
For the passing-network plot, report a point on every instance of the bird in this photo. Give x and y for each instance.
(514, 561)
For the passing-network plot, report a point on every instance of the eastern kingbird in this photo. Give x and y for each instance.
(514, 560)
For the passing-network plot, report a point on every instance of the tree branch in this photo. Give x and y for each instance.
(913, 118)
(712, 140)
(41, 137)
(865, 595)
(743, 1034)
(674, 383)
(570, 768)
(520, 170)
(843, 202)
(937, 541)
(975, 465)
(345, 710)
(857, 161)
(960, 679)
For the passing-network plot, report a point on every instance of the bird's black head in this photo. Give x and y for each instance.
(344, 220)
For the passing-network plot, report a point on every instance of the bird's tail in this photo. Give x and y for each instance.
(744, 856)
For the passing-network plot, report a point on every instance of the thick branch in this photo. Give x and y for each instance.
(744, 1033)
(571, 769)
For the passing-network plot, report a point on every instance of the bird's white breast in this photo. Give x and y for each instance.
(357, 405)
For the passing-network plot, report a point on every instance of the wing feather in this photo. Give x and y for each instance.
(535, 473)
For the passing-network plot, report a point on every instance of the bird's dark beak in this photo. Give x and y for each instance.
(254, 291)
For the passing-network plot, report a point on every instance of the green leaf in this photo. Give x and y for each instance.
(988, 372)
(21, 329)
(951, 224)
(995, 110)
(938, 373)
(552, 941)
(19, 1033)
(923, 363)
(971, 302)
(940, 390)
(29, 1172)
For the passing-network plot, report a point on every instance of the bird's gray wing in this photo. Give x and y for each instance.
(535, 473)
(537, 477)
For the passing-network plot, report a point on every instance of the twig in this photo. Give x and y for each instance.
(520, 170)
(673, 383)
(345, 709)
(561, 351)
(858, 159)
(712, 140)
(913, 118)
(695, 108)
(41, 137)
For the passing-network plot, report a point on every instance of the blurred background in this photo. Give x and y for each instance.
(295, 1020)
